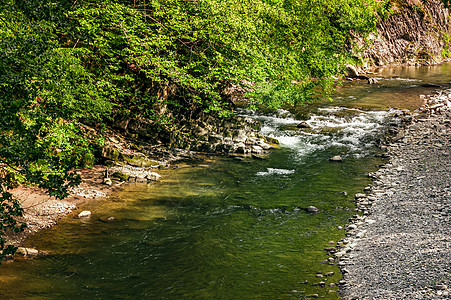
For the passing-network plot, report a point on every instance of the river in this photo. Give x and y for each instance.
(224, 228)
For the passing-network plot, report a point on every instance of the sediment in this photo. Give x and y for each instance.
(399, 246)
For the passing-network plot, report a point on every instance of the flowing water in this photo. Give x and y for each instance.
(224, 228)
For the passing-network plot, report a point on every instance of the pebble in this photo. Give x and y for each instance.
(407, 248)
(312, 209)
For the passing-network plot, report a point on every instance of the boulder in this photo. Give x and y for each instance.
(107, 181)
(351, 71)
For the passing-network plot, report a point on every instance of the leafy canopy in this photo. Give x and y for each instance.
(64, 64)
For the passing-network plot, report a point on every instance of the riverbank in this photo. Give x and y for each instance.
(400, 246)
(42, 211)
(124, 166)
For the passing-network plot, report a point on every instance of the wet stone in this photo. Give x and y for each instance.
(336, 158)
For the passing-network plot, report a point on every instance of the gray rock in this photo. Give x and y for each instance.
(360, 196)
(312, 209)
(336, 158)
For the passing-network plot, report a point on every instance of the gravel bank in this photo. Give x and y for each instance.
(401, 247)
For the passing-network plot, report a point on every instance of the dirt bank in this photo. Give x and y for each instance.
(42, 211)
(400, 248)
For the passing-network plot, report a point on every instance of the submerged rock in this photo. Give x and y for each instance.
(312, 209)
(336, 158)
(84, 214)
(27, 252)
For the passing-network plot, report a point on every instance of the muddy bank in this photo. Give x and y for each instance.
(400, 246)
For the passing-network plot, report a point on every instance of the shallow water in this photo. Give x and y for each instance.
(220, 228)
(398, 87)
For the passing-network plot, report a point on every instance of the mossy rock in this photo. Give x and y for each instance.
(271, 140)
(138, 161)
(121, 176)
(112, 154)
(256, 125)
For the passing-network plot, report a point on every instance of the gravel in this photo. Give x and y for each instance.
(400, 248)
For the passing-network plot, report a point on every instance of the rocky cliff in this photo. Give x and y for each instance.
(416, 32)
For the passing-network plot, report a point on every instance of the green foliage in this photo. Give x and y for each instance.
(160, 62)
(446, 52)
(198, 46)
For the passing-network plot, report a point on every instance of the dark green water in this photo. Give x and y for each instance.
(220, 228)
(214, 231)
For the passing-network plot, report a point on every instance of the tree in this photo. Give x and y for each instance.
(68, 63)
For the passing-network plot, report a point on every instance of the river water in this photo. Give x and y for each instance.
(223, 228)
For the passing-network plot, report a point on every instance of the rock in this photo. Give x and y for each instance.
(153, 176)
(257, 149)
(336, 158)
(121, 176)
(303, 125)
(351, 71)
(312, 296)
(84, 214)
(141, 179)
(312, 209)
(215, 138)
(265, 146)
(107, 181)
(240, 148)
(138, 161)
(361, 234)
(360, 196)
(372, 80)
(28, 252)
(430, 85)
(440, 287)
(271, 140)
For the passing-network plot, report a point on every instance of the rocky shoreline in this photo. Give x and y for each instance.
(399, 245)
